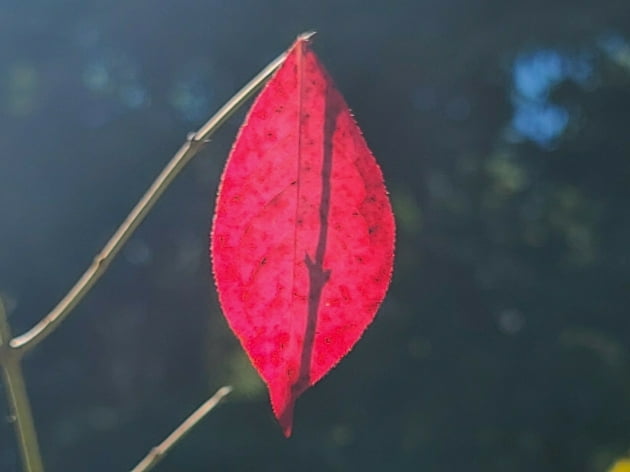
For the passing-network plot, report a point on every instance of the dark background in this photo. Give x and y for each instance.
(503, 131)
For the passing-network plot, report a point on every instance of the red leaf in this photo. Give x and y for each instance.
(303, 235)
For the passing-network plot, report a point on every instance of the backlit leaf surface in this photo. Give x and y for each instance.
(303, 235)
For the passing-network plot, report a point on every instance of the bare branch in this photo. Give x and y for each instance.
(188, 150)
(157, 453)
(17, 397)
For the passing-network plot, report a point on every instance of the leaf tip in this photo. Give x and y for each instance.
(287, 430)
(284, 415)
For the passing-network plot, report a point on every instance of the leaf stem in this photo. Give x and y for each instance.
(186, 152)
(157, 453)
(19, 405)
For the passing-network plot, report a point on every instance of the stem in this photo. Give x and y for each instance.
(19, 406)
(157, 453)
(186, 152)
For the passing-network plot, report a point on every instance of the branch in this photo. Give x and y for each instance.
(157, 453)
(19, 406)
(188, 150)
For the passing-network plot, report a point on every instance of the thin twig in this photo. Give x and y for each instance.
(157, 453)
(19, 405)
(188, 150)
